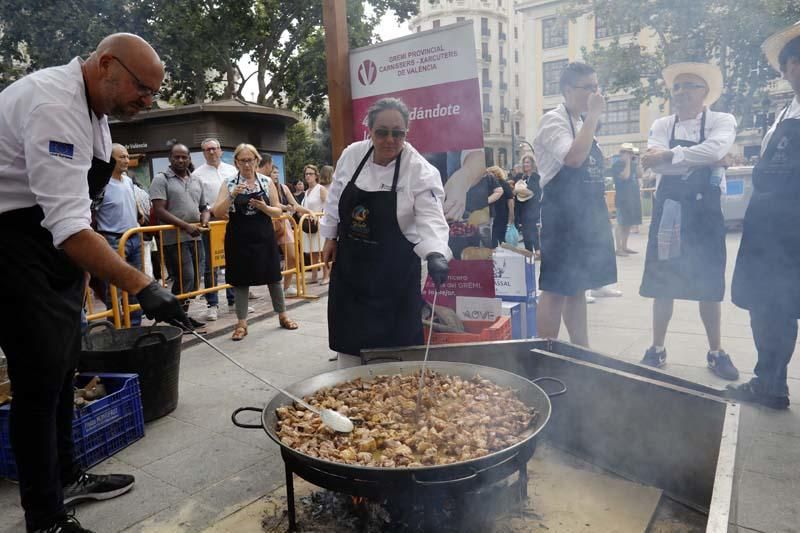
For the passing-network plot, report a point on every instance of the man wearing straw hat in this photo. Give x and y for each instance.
(766, 280)
(686, 246)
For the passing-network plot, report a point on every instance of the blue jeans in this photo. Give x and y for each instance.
(133, 256)
(212, 298)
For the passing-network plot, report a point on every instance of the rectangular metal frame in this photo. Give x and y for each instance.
(635, 421)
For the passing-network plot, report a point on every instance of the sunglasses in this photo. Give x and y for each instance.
(382, 133)
(687, 86)
(143, 89)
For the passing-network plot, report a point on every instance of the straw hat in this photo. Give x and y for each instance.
(711, 74)
(774, 44)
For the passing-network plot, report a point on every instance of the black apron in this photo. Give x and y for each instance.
(576, 239)
(694, 266)
(767, 273)
(251, 251)
(374, 299)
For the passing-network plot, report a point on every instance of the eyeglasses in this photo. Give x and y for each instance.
(687, 86)
(592, 87)
(312, 173)
(210, 149)
(143, 89)
(246, 161)
(382, 133)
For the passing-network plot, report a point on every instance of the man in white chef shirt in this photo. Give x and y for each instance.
(212, 174)
(381, 219)
(686, 253)
(55, 148)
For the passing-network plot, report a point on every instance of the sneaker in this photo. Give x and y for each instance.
(722, 366)
(68, 524)
(654, 358)
(94, 487)
(250, 309)
(211, 313)
(252, 296)
(196, 324)
(605, 292)
(291, 291)
(749, 392)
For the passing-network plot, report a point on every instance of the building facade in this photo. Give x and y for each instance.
(498, 41)
(551, 42)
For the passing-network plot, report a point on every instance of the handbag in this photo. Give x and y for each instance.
(310, 226)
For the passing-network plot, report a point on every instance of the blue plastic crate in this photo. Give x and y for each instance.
(99, 430)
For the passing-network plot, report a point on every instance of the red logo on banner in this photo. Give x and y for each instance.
(367, 71)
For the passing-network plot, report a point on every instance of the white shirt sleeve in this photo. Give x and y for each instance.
(718, 142)
(329, 224)
(432, 228)
(59, 182)
(552, 143)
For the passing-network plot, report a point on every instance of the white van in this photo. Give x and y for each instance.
(739, 189)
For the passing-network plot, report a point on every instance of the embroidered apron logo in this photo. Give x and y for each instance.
(359, 223)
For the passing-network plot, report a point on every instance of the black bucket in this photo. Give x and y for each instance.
(153, 352)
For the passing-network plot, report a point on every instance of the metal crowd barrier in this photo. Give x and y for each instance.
(121, 317)
(316, 262)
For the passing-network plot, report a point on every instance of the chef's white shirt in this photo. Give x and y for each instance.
(792, 112)
(47, 140)
(420, 195)
(212, 179)
(553, 142)
(720, 134)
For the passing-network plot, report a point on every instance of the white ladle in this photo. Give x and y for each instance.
(333, 419)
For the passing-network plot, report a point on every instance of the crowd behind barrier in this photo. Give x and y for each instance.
(121, 309)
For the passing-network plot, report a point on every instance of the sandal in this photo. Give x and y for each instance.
(239, 333)
(288, 323)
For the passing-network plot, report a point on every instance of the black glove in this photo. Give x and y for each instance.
(437, 268)
(161, 305)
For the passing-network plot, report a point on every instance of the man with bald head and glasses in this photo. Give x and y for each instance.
(686, 246)
(55, 158)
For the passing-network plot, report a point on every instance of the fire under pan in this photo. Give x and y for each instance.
(637, 422)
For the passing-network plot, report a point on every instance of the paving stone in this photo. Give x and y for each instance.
(162, 440)
(207, 462)
(188, 515)
(768, 504)
(12, 518)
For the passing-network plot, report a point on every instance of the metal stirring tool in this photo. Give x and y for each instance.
(427, 349)
(333, 419)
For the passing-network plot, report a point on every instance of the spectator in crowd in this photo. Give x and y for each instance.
(314, 200)
(326, 176)
(528, 194)
(516, 172)
(286, 239)
(212, 174)
(143, 205)
(116, 214)
(251, 251)
(686, 253)
(577, 241)
(178, 199)
(502, 203)
(627, 197)
(299, 190)
(766, 280)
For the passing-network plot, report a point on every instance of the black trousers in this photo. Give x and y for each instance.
(775, 335)
(40, 336)
(530, 233)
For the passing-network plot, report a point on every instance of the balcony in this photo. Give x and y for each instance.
(486, 58)
(503, 61)
(487, 108)
(502, 36)
(486, 33)
(503, 86)
(487, 84)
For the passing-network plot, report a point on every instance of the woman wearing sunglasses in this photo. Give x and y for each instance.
(383, 215)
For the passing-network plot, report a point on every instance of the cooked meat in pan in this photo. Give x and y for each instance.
(459, 419)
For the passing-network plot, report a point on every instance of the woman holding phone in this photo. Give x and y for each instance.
(251, 250)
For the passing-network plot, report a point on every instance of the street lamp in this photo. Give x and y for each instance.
(521, 143)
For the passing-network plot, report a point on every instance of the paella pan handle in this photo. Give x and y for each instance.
(162, 338)
(242, 424)
(473, 475)
(552, 394)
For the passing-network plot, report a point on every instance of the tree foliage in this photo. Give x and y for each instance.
(299, 146)
(729, 32)
(201, 42)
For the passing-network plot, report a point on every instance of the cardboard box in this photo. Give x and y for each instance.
(514, 310)
(527, 316)
(469, 308)
(514, 276)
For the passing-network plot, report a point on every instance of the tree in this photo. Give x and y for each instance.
(729, 32)
(201, 42)
(298, 150)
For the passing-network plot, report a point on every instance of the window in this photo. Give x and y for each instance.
(487, 105)
(554, 32)
(516, 103)
(620, 117)
(485, 51)
(516, 56)
(486, 125)
(485, 26)
(516, 32)
(502, 126)
(460, 19)
(499, 27)
(489, 153)
(436, 23)
(603, 30)
(485, 75)
(516, 127)
(501, 157)
(516, 81)
(551, 73)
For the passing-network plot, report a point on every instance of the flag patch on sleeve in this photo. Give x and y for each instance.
(60, 149)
